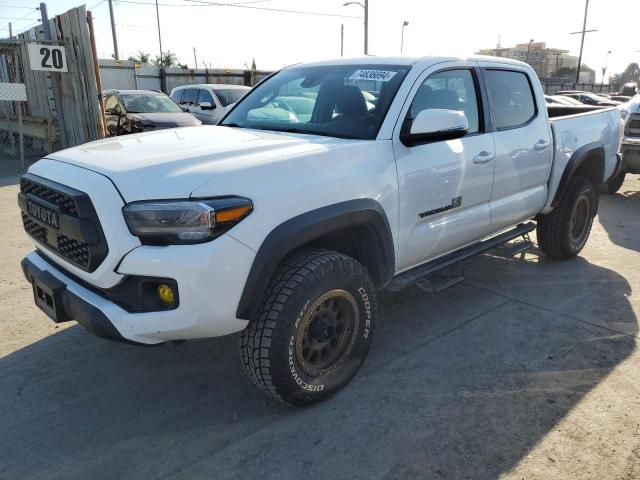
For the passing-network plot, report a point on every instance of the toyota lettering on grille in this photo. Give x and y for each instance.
(43, 214)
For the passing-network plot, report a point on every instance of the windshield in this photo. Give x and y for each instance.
(229, 96)
(149, 103)
(347, 101)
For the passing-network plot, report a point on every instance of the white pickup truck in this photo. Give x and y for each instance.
(281, 222)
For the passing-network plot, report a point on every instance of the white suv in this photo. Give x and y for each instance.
(208, 102)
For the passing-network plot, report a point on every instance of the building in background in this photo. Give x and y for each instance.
(549, 63)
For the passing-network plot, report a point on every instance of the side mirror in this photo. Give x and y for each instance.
(434, 124)
(207, 106)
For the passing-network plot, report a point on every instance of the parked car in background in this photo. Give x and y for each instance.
(629, 89)
(620, 98)
(560, 100)
(591, 99)
(630, 148)
(134, 111)
(208, 101)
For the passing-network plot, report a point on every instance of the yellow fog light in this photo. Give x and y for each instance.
(165, 293)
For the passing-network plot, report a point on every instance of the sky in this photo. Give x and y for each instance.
(232, 36)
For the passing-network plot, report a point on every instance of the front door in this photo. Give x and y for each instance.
(445, 186)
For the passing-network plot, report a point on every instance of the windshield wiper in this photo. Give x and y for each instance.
(234, 125)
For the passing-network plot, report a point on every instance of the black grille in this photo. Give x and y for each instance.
(66, 203)
(77, 252)
(76, 234)
(36, 231)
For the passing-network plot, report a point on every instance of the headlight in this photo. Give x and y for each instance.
(185, 221)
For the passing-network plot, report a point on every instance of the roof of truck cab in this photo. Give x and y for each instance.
(403, 60)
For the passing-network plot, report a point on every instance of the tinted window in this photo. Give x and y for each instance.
(450, 90)
(229, 96)
(205, 96)
(176, 95)
(346, 101)
(190, 96)
(511, 98)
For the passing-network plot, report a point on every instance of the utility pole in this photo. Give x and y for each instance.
(163, 80)
(195, 59)
(583, 31)
(10, 31)
(51, 81)
(113, 32)
(404, 24)
(365, 6)
(529, 50)
(366, 27)
(341, 39)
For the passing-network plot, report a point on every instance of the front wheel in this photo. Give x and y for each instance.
(313, 328)
(563, 233)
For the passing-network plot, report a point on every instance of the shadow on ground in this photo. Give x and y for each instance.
(458, 385)
(622, 229)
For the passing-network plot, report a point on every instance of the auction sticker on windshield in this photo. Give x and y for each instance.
(379, 75)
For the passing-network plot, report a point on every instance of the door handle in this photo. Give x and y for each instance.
(483, 157)
(541, 145)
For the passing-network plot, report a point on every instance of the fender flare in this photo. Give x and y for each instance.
(577, 159)
(309, 226)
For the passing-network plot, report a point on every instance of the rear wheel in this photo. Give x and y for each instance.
(313, 328)
(563, 233)
(614, 184)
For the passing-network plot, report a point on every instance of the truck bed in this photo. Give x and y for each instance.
(573, 128)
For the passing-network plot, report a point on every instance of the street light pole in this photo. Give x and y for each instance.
(404, 24)
(365, 6)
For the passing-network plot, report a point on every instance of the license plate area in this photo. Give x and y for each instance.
(47, 293)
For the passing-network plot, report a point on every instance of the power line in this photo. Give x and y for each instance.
(239, 5)
(99, 3)
(17, 6)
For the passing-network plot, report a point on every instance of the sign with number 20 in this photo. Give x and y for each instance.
(48, 58)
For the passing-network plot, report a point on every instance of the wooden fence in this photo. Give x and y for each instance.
(63, 108)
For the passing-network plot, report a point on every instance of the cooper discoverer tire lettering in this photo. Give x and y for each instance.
(313, 327)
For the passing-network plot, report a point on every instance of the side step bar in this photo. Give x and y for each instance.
(409, 277)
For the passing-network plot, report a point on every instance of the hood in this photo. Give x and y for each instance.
(172, 163)
(166, 120)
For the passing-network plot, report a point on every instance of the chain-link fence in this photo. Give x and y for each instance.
(23, 137)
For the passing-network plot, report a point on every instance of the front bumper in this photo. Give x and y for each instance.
(210, 278)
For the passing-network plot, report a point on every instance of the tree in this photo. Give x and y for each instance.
(569, 73)
(140, 57)
(630, 74)
(169, 60)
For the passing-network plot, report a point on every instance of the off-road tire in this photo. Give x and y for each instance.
(614, 184)
(557, 236)
(299, 294)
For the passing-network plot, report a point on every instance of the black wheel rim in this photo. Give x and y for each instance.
(580, 219)
(326, 332)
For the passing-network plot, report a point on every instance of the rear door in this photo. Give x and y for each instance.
(445, 186)
(523, 142)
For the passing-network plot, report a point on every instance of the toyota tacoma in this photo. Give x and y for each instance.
(283, 223)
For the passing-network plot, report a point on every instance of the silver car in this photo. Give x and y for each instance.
(208, 102)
